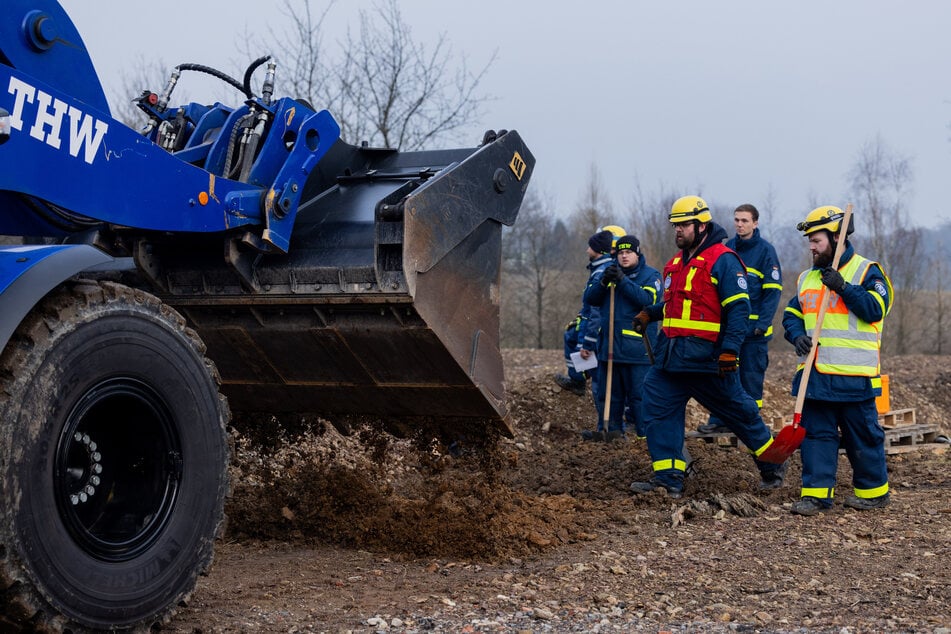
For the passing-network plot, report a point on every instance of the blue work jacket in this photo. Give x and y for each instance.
(638, 290)
(765, 279)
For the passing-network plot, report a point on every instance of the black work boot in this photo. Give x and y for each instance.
(638, 488)
(772, 478)
(567, 383)
(809, 506)
(596, 436)
(867, 504)
(713, 428)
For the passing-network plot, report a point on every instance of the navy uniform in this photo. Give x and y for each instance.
(636, 287)
(705, 315)
(764, 277)
(582, 332)
(840, 395)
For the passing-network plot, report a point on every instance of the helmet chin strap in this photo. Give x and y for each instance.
(698, 237)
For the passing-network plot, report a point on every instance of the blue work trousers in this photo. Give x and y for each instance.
(664, 407)
(862, 438)
(627, 382)
(571, 346)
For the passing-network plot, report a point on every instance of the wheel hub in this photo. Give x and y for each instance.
(118, 466)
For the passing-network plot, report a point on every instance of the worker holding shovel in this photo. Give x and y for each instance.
(623, 290)
(844, 377)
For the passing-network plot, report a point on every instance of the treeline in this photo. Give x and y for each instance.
(544, 255)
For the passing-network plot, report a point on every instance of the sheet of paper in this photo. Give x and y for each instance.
(584, 364)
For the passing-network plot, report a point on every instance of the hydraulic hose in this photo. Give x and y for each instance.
(201, 68)
(250, 71)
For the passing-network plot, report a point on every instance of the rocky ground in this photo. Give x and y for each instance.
(363, 533)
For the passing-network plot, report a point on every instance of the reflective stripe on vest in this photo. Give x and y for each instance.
(691, 302)
(848, 345)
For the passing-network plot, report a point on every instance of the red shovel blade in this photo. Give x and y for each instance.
(785, 443)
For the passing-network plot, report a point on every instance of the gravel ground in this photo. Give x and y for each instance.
(538, 533)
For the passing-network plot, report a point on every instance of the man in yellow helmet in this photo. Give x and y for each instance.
(705, 312)
(840, 395)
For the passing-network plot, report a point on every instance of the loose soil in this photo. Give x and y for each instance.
(539, 533)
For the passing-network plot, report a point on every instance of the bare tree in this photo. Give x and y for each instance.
(383, 87)
(880, 181)
(648, 219)
(594, 210)
(406, 93)
(533, 268)
(300, 51)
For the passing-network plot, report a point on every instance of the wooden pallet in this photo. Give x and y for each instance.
(725, 439)
(888, 420)
(897, 418)
(898, 440)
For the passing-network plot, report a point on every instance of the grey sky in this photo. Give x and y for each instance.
(727, 99)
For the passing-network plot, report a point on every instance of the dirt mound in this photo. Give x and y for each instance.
(364, 532)
(542, 489)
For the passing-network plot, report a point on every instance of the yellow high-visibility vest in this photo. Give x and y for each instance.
(847, 345)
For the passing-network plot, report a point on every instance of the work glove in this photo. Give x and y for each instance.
(611, 274)
(728, 362)
(803, 345)
(833, 279)
(571, 325)
(640, 322)
(758, 332)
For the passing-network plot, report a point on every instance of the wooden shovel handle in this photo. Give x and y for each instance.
(607, 381)
(823, 306)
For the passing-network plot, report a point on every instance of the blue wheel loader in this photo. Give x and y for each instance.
(225, 261)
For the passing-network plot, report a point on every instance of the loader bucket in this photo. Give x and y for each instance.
(387, 302)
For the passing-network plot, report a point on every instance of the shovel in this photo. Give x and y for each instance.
(607, 382)
(789, 438)
(647, 347)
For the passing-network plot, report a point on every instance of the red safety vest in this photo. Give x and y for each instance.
(691, 300)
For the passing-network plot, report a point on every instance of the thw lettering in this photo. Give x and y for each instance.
(84, 132)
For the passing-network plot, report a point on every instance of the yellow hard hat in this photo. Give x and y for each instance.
(826, 217)
(615, 231)
(689, 208)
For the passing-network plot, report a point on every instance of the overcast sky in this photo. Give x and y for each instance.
(731, 100)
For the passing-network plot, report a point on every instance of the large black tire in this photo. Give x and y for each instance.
(113, 465)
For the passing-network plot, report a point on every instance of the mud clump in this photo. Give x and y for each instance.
(490, 498)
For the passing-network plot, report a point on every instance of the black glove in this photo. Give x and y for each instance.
(803, 345)
(758, 332)
(728, 362)
(833, 279)
(611, 274)
(640, 322)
